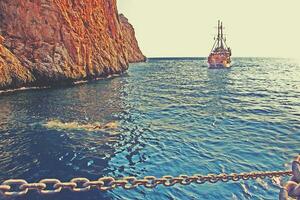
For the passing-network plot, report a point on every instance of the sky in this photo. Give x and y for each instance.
(185, 28)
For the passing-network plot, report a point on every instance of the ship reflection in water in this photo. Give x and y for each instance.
(167, 117)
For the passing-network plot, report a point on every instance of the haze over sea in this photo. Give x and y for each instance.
(174, 117)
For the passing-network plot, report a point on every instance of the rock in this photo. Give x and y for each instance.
(60, 41)
(12, 73)
(1, 39)
(132, 49)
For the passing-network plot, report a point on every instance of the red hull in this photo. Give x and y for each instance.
(219, 60)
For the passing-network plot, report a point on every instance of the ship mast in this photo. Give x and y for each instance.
(218, 38)
(221, 27)
(220, 41)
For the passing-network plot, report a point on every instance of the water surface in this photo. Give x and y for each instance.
(174, 117)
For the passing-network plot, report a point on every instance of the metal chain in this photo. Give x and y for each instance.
(19, 187)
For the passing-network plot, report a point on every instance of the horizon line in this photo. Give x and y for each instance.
(154, 57)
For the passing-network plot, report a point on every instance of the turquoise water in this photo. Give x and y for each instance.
(173, 116)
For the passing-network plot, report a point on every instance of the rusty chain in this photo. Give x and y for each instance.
(19, 187)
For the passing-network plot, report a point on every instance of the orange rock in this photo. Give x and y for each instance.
(1, 39)
(68, 40)
(12, 73)
(132, 49)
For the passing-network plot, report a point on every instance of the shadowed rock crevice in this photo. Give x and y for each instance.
(62, 41)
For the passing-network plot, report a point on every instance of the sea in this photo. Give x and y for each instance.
(167, 116)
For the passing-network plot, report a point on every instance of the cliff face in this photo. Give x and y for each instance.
(132, 48)
(12, 73)
(60, 41)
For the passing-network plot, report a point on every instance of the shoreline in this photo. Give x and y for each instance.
(61, 85)
(66, 83)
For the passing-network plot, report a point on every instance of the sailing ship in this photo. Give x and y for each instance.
(219, 56)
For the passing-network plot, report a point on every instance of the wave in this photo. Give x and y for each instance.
(57, 124)
(21, 89)
(47, 87)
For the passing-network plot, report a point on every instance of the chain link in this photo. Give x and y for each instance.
(19, 187)
(15, 182)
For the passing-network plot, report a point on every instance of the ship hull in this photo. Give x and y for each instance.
(218, 65)
(217, 61)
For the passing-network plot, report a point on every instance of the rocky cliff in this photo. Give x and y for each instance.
(12, 72)
(130, 41)
(49, 42)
